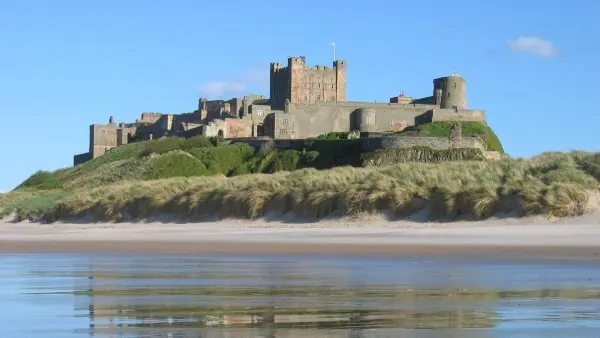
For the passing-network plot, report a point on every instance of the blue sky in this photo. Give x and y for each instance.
(67, 64)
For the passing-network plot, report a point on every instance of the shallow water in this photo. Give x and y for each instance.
(300, 296)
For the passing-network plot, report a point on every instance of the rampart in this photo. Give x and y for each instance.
(81, 158)
(439, 143)
(312, 120)
(375, 143)
(454, 114)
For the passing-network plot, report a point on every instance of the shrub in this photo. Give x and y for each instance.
(266, 148)
(333, 136)
(284, 160)
(225, 159)
(42, 180)
(174, 164)
(333, 153)
(167, 144)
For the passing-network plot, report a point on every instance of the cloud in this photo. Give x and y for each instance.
(534, 45)
(228, 88)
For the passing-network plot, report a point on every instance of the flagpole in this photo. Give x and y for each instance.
(333, 44)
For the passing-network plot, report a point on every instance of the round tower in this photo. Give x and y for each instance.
(365, 120)
(454, 91)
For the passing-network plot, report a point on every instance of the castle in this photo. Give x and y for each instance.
(305, 102)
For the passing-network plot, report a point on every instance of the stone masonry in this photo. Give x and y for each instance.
(305, 102)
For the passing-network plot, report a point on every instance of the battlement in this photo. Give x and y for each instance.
(300, 60)
(299, 82)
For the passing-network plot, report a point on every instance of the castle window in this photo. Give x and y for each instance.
(283, 131)
(318, 97)
(285, 121)
(448, 94)
(332, 86)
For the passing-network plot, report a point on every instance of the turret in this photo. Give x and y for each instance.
(453, 91)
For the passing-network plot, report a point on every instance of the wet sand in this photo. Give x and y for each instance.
(577, 238)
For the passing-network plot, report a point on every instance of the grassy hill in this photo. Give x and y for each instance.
(200, 156)
(199, 177)
(469, 129)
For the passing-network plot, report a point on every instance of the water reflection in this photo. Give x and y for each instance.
(188, 296)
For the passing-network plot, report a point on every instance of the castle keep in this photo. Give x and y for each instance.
(304, 102)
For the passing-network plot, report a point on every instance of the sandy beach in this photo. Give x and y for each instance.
(529, 237)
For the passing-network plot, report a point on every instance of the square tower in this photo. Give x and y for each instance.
(300, 83)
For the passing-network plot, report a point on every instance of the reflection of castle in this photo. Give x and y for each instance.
(305, 101)
(127, 311)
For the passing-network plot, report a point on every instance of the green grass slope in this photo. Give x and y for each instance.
(196, 158)
(444, 128)
(200, 156)
(553, 184)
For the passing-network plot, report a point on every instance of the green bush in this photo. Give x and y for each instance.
(333, 136)
(590, 164)
(174, 164)
(42, 180)
(167, 144)
(284, 160)
(334, 153)
(224, 159)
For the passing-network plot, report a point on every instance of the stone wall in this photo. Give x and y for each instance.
(476, 115)
(284, 126)
(124, 134)
(81, 158)
(494, 155)
(325, 117)
(258, 114)
(440, 143)
(228, 128)
(149, 118)
(236, 128)
(375, 143)
(102, 138)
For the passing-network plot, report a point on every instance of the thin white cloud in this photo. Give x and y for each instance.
(228, 88)
(534, 45)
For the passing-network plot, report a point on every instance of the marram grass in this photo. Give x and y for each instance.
(551, 184)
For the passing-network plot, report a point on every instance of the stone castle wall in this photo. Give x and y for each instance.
(439, 143)
(312, 120)
(102, 138)
(375, 143)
